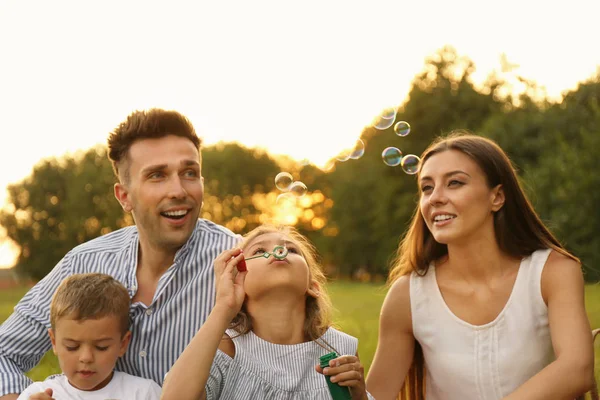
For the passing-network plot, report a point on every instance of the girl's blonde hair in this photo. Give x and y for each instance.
(318, 310)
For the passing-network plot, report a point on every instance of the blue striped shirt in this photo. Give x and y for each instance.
(160, 331)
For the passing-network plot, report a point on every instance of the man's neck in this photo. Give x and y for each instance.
(153, 260)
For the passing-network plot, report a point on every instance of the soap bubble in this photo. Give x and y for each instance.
(410, 164)
(391, 156)
(283, 180)
(385, 119)
(298, 189)
(402, 128)
(358, 150)
(286, 200)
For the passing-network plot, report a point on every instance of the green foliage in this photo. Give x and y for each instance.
(63, 203)
(374, 202)
(357, 212)
(70, 200)
(554, 148)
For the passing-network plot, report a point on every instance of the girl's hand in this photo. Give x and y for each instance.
(347, 371)
(229, 282)
(45, 395)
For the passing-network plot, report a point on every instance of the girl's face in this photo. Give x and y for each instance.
(290, 274)
(456, 202)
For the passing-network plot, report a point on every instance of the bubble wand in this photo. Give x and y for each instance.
(279, 252)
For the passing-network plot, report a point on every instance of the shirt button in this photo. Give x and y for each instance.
(143, 353)
(149, 311)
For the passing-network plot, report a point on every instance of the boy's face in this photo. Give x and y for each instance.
(88, 350)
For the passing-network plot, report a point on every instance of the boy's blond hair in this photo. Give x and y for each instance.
(90, 296)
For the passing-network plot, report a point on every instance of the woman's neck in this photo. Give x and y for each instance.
(278, 320)
(478, 259)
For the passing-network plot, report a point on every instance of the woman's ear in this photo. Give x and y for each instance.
(314, 290)
(498, 198)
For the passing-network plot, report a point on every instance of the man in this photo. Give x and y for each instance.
(165, 260)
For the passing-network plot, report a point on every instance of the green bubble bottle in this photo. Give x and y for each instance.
(337, 392)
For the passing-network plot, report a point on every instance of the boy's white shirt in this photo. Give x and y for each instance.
(122, 386)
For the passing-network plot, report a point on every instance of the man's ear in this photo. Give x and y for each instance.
(124, 343)
(314, 289)
(52, 339)
(498, 198)
(122, 195)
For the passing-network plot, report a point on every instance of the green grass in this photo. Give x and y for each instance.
(356, 312)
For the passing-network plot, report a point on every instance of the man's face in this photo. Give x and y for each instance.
(164, 191)
(88, 350)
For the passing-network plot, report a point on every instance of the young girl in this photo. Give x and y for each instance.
(483, 297)
(278, 315)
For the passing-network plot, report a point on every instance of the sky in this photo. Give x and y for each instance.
(297, 78)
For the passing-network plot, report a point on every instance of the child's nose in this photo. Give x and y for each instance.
(86, 355)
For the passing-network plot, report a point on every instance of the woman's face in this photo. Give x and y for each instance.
(456, 202)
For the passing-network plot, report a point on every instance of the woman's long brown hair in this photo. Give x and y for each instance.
(518, 229)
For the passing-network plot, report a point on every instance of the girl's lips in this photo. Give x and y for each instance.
(86, 373)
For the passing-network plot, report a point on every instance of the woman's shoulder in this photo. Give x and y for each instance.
(399, 291)
(560, 272)
(396, 311)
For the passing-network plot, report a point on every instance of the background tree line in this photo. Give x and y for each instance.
(357, 211)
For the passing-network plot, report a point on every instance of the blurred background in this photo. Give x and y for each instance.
(275, 87)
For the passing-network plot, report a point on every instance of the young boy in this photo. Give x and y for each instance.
(89, 318)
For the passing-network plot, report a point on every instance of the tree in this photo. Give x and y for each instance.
(374, 202)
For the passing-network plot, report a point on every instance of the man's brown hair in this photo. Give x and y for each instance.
(154, 123)
(90, 296)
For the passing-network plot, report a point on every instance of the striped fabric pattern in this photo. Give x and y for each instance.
(182, 302)
(264, 370)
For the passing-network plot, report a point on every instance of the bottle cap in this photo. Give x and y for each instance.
(324, 360)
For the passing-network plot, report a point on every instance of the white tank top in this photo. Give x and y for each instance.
(484, 362)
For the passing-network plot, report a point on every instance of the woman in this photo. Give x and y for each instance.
(483, 297)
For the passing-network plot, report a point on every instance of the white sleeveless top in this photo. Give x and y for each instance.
(484, 362)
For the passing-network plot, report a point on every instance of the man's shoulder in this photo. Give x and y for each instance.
(114, 241)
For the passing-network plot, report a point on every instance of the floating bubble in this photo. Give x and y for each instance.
(286, 200)
(385, 119)
(329, 166)
(388, 113)
(402, 128)
(358, 150)
(344, 155)
(298, 189)
(391, 156)
(410, 164)
(283, 180)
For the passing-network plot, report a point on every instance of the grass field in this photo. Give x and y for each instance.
(357, 313)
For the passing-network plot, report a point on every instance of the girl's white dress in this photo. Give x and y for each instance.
(263, 370)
